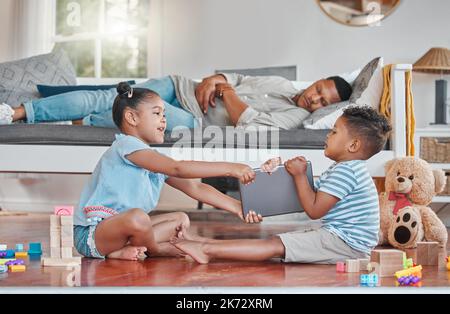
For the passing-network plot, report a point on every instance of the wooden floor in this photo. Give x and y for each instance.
(172, 272)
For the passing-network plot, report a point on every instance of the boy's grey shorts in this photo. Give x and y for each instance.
(318, 247)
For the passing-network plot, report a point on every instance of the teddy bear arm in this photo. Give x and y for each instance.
(433, 227)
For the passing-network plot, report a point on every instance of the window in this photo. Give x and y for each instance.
(104, 38)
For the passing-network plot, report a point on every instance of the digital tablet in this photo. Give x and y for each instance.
(274, 194)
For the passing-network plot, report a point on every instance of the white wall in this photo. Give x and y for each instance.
(200, 36)
(6, 34)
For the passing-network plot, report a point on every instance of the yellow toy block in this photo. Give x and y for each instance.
(416, 271)
(17, 268)
(21, 254)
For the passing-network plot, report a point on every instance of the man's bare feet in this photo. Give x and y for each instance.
(194, 250)
(129, 253)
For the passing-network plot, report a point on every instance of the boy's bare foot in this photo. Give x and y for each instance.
(185, 234)
(167, 250)
(194, 250)
(129, 253)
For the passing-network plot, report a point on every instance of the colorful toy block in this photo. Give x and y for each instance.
(340, 267)
(407, 262)
(4, 261)
(17, 268)
(414, 271)
(21, 254)
(387, 261)
(35, 249)
(10, 254)
(64, 210)
(369, 280)
(19, 247)
(3, 254)
(3, 269)
(3, 247)
(352, 266)
(428, 253)
(448, 263)
(408, 280)
(15, 262)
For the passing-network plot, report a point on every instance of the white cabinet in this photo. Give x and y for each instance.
(433, 145)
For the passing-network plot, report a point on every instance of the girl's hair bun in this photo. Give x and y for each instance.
(123, 89)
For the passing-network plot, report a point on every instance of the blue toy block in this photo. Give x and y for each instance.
(19, 247)
(10, 254)
(35, 249)
(364, 280)
(373, 280)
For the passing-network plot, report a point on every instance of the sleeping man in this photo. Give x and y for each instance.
(221, 100)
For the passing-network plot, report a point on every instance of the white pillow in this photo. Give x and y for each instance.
(368, 86)
(325, 118)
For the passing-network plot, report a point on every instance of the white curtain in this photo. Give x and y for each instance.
(33, 27)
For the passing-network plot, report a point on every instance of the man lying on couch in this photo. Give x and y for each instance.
(221, 100)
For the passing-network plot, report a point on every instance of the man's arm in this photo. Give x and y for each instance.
(233, 104)
(205, 91)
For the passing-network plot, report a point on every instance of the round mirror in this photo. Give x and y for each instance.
(358, 12)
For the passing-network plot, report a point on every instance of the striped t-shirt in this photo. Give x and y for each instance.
(356, 217)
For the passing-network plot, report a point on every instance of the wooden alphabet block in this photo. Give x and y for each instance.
(363, 262)
(55, 252)
(67, 242)
(352, 266)
(61, 262)
(428, 253)
(389, 261)
(67, 221)
(66, 252)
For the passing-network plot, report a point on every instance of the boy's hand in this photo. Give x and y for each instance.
(296, 166)
(270, 165)
(253, 218)
(244, 173)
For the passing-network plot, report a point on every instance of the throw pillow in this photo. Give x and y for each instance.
(18, 79)
(325, 118)
(368, 86)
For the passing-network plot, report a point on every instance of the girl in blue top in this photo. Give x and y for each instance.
(112, 217)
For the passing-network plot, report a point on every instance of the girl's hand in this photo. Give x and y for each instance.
(270, 165)
(296, 166)
(243, 173)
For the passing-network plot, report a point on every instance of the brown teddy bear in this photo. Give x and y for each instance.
(405, 218)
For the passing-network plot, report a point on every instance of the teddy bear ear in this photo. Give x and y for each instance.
(439, 180)
(389, 164)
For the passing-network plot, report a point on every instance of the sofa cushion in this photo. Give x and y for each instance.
(18, 79)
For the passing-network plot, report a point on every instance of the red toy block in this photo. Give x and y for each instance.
(64, 210)
(340, 267)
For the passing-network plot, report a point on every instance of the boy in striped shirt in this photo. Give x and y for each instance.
(346, 200)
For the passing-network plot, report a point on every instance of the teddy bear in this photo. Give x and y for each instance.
(405, 218)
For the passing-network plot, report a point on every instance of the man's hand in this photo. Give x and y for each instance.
(205, 91)
(296, 166)
(270, 165)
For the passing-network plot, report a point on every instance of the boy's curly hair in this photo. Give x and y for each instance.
(373, 127)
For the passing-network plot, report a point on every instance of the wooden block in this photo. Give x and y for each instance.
(389, 261)
(67, 242)
(427, 253)
(21, 254)
(363, 262)
(67, 221)
(55, 222)
(55, 239)
(66, 252)
(60, 262)
(352, 266)
(17, 268)
(55, 252)
(412, 253)
(67, 232)
(442, 259)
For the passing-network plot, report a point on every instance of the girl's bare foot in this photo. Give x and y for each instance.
(194, 250)
(167, 250)
(129, 253)
(185, 234)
